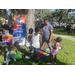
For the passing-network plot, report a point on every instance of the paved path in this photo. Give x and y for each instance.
(65, 37)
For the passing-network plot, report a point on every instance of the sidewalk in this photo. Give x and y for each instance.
(65, 37)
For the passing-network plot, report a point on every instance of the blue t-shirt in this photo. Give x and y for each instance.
(46, 30)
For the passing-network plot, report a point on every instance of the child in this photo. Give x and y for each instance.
(29, 43)
(55, 49)
(36, 39)
(11, 52)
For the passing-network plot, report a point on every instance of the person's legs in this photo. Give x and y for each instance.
(37, 51)
(50, 47)
(13, 55)
(28, 53)
(37, 57)
(55, 58)
(7, 57)
(43, 40)
(72, 30)
(34, 54)
(31, 49)
(45, 43)
(27, 56)
(51, 56)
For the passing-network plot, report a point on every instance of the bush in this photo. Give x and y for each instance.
(1, 29)
(5, 26)
(0, 22)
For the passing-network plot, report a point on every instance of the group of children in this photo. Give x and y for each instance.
(34, 41)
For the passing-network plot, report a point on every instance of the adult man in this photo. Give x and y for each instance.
(47, 32)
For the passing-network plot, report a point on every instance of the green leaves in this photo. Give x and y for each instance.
(3, 13)
(19, 11)
(42, 13)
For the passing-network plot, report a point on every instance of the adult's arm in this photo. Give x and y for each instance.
(51, 31)
(56, 45)
(42, 31)
(40, 38)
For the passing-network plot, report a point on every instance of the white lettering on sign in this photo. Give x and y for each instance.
(5, 40)
(19, 21)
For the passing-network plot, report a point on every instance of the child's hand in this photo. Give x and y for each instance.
(52, 39)
(49, 40)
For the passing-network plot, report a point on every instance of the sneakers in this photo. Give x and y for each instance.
(49, 63)
(27, 57)
(54, 62)
(5, 61)
(14, 59)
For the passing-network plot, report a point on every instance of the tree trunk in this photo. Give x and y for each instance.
(30, 20)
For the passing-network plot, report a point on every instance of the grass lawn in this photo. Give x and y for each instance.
(66, 56)
(61, 31)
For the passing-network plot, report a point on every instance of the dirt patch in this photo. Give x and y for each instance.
(67, 53)
(65, 37)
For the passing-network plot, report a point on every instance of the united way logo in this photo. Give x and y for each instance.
(19, 21)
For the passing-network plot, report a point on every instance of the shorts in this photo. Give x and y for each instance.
(49, 43)
(0, 43)
(36, 50)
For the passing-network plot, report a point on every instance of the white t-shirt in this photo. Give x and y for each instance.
(36, 41)
(28, 43)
